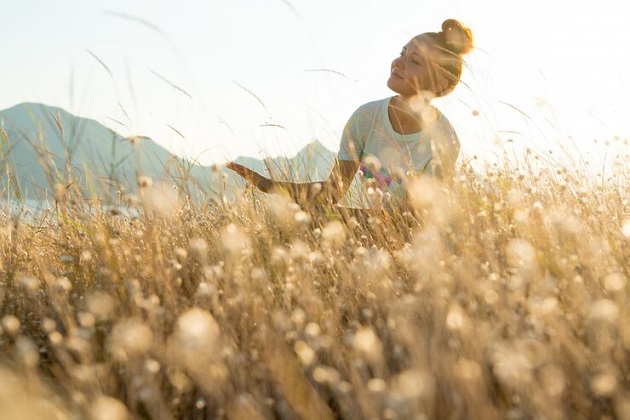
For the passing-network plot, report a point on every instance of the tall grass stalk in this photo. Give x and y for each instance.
(502, 297)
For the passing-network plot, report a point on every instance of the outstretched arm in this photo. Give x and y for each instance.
(326, 192)
(262, 183)
(339, 181)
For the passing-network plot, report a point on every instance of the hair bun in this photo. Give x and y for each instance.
(458, 37)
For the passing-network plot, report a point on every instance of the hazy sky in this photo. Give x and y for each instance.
(218, 79)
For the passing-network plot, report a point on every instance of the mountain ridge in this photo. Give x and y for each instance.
(42, 145)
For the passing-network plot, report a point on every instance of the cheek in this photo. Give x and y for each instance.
(417, 80)
(424, 78)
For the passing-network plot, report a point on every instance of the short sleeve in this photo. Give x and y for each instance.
(352, 141)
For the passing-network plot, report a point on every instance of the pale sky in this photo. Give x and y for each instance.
(220, 79)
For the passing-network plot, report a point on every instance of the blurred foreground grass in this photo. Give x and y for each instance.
(507, 299)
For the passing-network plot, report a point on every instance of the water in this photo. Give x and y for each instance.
(40, 211)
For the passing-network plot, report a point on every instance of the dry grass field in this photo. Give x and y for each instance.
(506, 297)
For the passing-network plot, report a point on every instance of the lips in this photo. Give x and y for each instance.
(396, 74)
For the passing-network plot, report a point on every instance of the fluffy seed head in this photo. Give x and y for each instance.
(603, 310)
(234, 240)
(129, 337)
(108, 408)
(521, 254)
(334, 233)
(160, 200)
(101, 305)
(412, 384)
(196, 333)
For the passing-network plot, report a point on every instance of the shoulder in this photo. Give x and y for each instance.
(371, 108)
(443, 120)
(375, 104)
(444, 125)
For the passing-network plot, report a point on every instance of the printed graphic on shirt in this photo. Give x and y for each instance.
(382, 178)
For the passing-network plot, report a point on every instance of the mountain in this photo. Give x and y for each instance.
(313, 163)
(41, 146)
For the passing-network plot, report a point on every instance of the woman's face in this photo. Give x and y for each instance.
(414, 71)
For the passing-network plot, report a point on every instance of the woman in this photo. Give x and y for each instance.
(390, 141)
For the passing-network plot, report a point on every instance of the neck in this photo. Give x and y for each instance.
(410, 114)
(412, 104)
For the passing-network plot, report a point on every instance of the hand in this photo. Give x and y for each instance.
(251, 176)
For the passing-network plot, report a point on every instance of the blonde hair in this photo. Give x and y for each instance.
(453, 41)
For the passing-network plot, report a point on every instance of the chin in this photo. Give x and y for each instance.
(393, 85)
(401, 90)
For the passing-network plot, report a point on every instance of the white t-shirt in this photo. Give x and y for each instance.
(388, 158)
